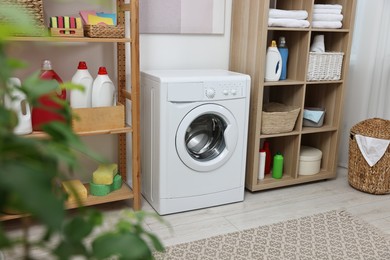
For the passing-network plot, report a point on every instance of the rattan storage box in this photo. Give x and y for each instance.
(278, 118)
(34, 9)
(361, 176)
(324, 66)
(104, 31)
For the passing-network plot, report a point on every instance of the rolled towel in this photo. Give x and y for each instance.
(328, 6)
(290, 23)
(328, 17)
(327, 25)
(326, 11)
(289, 14)
(318, 44)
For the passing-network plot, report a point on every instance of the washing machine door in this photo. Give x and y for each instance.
(206, 137)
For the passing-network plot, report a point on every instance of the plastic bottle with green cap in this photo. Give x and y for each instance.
(277, 170)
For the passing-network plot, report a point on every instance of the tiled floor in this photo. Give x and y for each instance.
(265, 207)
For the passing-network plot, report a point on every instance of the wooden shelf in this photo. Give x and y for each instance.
(67, 39)
(123, 193)
(115, 117)
(250, 38)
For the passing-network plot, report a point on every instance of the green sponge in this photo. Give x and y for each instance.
(104, 189)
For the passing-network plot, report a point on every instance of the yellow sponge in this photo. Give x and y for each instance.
(73, 187)
(105, 173)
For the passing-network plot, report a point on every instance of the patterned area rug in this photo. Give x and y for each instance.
(329, 235)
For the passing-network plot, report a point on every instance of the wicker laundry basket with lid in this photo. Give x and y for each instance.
(375, 179)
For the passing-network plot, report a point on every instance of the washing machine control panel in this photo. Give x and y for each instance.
(224, 90)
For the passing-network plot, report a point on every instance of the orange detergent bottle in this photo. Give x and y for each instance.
(46, 111)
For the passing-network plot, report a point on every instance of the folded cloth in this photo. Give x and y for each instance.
(326, 11)
(328, 17)
(291, 23)
(289, 14)
(326, 24)
(328, 6)
(372, 149)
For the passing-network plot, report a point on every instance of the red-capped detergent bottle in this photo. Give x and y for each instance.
(103, 90)
(46, 111)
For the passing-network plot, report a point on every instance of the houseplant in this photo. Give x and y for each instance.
(30, 171)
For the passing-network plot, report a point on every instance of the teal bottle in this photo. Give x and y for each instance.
(283, 50)
(277, 169)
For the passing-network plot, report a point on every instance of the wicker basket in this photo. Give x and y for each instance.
(361, 176)
(104, 31)
(34, 9)
(278, 118)
(324, 66)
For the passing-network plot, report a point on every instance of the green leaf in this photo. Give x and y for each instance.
(76, 229)
(155, 241)
(123, 245)
(66, 250)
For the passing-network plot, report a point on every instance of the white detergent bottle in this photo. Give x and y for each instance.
(78, 98)
(273, 64)
(103, 90)
(18, 103)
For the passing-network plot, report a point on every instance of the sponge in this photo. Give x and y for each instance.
(103, 189)
(104, 174)
(73, 187)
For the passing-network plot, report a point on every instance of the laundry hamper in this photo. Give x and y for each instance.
(375, 179)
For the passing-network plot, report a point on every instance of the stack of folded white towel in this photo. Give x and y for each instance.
(288, 18)
(327, 16)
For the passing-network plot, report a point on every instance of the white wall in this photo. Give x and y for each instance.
(174, 51)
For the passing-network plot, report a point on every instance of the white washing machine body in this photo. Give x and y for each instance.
(193, 138)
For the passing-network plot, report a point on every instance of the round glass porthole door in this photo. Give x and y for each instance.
(206, 137)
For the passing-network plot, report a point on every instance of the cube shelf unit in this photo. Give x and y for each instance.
(120, 129)
(250, 38)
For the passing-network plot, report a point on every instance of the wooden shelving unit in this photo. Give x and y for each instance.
(249, 41)
(123, 94)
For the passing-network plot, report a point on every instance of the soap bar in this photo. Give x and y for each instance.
(75, 188)
(104, 174)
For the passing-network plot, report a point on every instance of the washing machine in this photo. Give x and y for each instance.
(194, 127)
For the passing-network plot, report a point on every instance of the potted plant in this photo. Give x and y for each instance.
(29, 173)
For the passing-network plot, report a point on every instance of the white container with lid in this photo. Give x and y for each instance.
(309, 160)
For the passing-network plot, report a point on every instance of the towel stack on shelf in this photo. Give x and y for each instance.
(327, 16)
(288, 18)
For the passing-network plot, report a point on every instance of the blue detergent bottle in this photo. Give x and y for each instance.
(283, 50)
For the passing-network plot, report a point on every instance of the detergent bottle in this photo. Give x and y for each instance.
(79, 98)
(103, 90)
(273, 64)
(18, 103)
(45, 112)
(283, 50)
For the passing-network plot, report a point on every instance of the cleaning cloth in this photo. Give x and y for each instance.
(313, 115)
(371, 148)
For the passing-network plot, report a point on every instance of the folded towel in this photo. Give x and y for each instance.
(326, 24)
(328, 17)
(291, 23)
(318, 44)
(328, 6)
(372, 149)
(326, 11)
(289, 14)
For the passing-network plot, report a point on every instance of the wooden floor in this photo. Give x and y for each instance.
(266, 207)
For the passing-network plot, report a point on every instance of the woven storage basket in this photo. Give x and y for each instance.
(324, 66)
(33, 8)
(104, 31)
(278, 118)
(361, 176)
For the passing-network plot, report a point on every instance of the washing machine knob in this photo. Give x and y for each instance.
(225, 92)
(210, 93)
(233, 91)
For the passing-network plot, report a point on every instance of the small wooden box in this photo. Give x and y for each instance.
(67, 32)
(98, 118)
